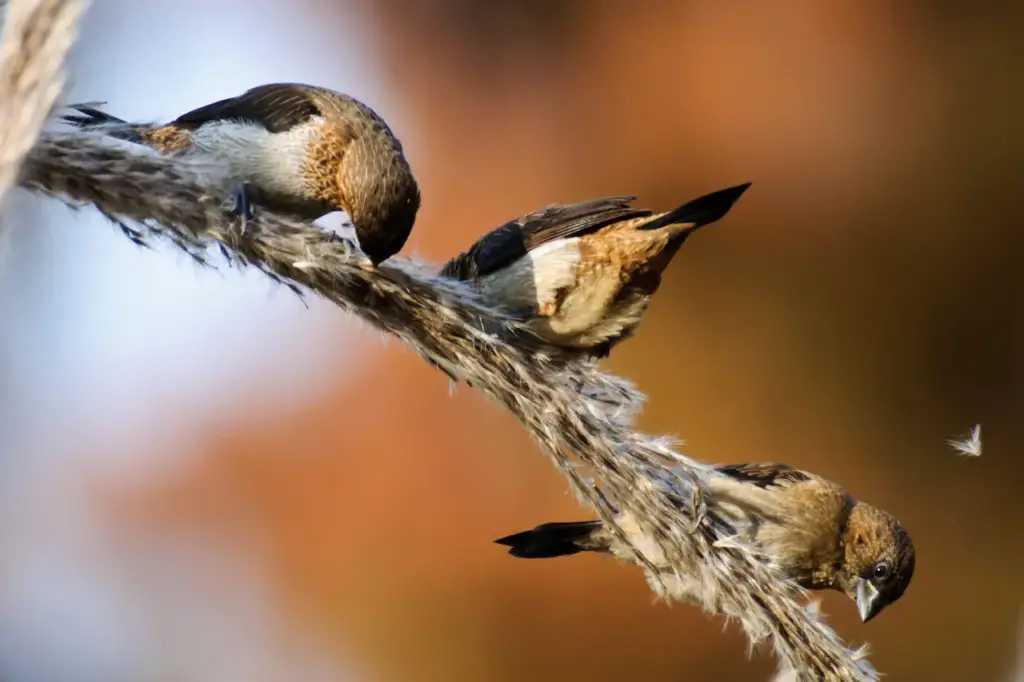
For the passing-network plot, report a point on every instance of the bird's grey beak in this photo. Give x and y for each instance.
(869, 601)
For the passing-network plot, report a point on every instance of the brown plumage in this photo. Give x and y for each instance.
(295, 149)
(581, 275)
(817, 533)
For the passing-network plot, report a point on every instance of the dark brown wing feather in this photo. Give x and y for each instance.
(514, 239)
(278, 107)
(764, 474)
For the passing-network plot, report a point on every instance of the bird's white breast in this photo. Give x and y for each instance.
(571, 307)
(535, 279)
(275, 162)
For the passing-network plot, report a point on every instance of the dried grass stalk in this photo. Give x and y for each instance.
(37, 35)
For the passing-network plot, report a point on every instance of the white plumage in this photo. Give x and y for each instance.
(274, 161)
(535, 279)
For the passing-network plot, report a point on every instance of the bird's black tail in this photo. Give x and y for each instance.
(551, 540)
(699, 212)
(90, 117)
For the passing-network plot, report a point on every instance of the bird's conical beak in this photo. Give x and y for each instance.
(869, 601)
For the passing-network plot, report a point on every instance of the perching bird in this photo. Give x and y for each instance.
(582, 275)
(819, 536)
(298, 150)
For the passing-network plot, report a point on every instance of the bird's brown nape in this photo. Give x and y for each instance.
(905, 561)
(874, 538)
(382, 194)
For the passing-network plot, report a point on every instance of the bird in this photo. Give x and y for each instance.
(580, 276)
(818, 535)
(298, 150)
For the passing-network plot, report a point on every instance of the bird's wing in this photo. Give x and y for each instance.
(278, 107)
(514, 239)
(764, 474)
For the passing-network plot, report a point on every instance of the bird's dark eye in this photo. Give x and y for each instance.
(881, 570)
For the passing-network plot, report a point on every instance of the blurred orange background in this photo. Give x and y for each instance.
(862, 303)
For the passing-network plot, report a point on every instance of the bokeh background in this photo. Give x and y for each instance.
(203, 480)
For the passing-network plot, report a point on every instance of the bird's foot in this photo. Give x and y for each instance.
(243, 205)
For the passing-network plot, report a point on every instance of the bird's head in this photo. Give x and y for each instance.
(381, 194)
(878, 560)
